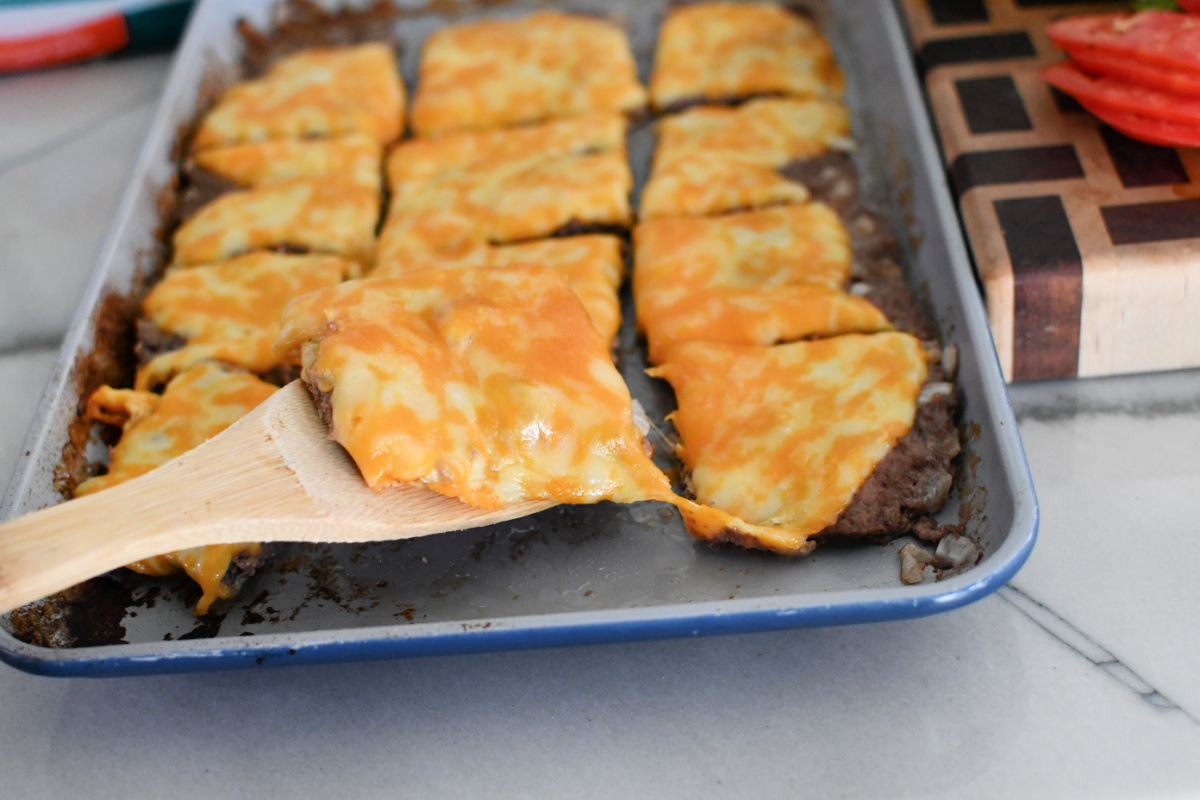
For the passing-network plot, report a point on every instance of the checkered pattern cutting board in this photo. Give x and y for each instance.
(1087, 242)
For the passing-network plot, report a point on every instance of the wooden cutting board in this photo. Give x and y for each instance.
(1087, 243)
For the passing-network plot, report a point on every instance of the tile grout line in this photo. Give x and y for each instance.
(90, 126)
(32, 345)
(1066, 633)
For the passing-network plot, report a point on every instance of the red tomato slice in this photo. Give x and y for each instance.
(1190, 6)
(1121, 95)
(1164, 38)
(1151, 131)
(1161, 78)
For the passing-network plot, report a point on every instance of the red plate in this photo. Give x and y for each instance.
(1151, 131)
(1162, 38)
(1121, 95)
(1162, 78)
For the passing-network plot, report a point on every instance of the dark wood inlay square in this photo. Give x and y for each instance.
(968, 49)
(1143, 223)
(1020, 165)
(1066, 104)
(956, 12)
(1141, 164)
(992, 105)
(1047, 286)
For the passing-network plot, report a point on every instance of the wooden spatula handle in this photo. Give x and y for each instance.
(181, 504)
(274, 475)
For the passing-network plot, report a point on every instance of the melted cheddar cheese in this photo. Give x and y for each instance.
(197, 405)
(313, 93)
(720, 51)
(712, 160)
(502, 72)
(229, 312)
(314, 215)
(489, 385)
(354, 158)
(780, 438)
(758, 277)
(591, 265)
(505, 186)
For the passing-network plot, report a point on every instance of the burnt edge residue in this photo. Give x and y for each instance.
(87, 615)
(301, 24)
(110, 361)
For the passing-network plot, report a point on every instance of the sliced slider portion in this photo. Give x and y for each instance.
(498, 73)
(315, 93)
(722, 51)
(488, 385)
(758, 277)
(783, 439)
(229, 312)
(506, 186)
(716, 159)
(592, 266)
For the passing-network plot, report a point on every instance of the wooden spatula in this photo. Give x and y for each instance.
(274, 475)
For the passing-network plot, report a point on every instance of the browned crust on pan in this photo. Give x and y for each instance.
(300, 24)
(833, 180)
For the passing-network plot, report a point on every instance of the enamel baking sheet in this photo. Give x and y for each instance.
(572, 574)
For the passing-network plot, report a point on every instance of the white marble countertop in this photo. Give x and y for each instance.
(1079, 680)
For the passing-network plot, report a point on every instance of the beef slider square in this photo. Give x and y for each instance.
(503, 72)
(299, 215)
(757, 277)
(315, 93)
(593, 266)
(717, 159)
(506, 186)
(227, 312)
(788, 440)
(490, 385)
(714, 52)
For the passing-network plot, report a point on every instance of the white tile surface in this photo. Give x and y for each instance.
(48, 108)
(22, 378)
(976, 703)
(59, 195)
(1080, 681)
(1115, 464)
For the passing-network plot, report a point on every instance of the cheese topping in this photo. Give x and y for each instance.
(196, 405)
(728, 50)
(782, 437)
(497, 73)
(313, 93)
(757, 277)
(591, 265)
(489, 385)
(710, 160)
(505, 186)
(230, 311)
(355, 158)
(316, 215)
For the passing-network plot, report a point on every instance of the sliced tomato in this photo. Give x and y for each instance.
(1121, 95)
(1190, 6)
(1144, 129)
(1162, 78)
(1163, 38)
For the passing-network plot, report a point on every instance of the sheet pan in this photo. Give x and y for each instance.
(570, 575)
